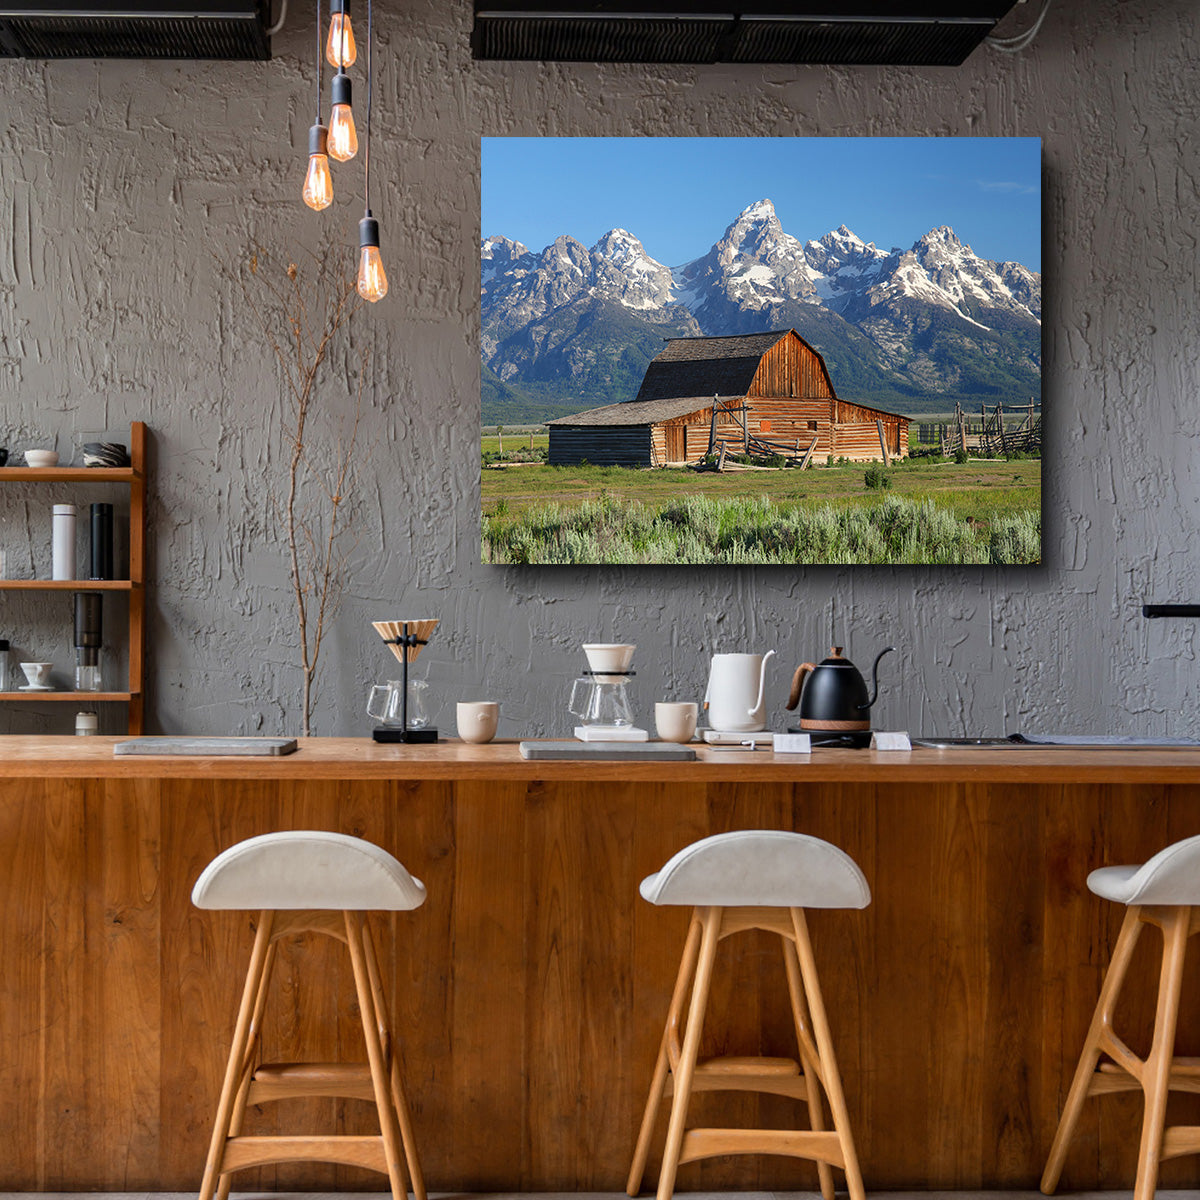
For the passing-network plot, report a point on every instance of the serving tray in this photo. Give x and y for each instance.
(207, 747)
(609, 751)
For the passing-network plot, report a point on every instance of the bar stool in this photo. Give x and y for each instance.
(751, 879)
(1164, 892)
(311, 882)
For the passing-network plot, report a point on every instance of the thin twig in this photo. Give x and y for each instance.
(312, 308)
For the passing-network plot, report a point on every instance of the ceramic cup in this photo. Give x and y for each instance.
(477, 720)
(41, 458)
(38, 674)
(675, 721)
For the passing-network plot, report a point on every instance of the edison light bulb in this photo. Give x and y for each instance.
(372, 280)
(343, 137)
(340, 50)
(318, 184)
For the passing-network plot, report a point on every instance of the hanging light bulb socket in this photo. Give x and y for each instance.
(343, 137)
(372, 279)
(340, 49)
(318, 184)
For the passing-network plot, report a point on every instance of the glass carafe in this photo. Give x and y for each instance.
(596, 702)
(384, 703)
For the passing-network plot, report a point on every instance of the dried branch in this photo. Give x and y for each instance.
(313, 307)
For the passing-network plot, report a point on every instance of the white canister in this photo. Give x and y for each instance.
(63, 545)
(86, 724)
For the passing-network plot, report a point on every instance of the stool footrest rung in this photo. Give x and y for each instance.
(796, 1143)
(1110, 1078)
(351, 1151)
(1179, 1140)
(732, 1073)
(287, 1081)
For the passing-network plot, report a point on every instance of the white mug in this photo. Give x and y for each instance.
(477, 720)
(675, 720)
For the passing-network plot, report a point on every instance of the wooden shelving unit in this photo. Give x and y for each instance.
(135, 477)
(67, 585)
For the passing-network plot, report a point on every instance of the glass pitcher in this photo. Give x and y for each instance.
(599, 703)
(384, 703)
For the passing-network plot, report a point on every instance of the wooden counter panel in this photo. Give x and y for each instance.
(40, 757)
(530, 989)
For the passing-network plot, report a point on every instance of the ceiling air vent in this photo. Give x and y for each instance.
(929, 33)
(230, 29)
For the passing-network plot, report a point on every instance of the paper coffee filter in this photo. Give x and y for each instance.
(388, 630)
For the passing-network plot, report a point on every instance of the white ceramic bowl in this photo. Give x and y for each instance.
(41, 458)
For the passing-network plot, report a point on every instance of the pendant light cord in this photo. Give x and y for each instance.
(318, 62)
(370, 81)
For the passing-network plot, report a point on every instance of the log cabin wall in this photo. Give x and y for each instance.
(792, 421)
(689, 434)
(602, 445)
(860, 440)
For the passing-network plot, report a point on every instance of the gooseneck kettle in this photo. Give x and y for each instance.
(833, 694)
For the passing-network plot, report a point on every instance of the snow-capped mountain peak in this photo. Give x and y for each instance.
(625, 272)
(498, 254)
(758, 276)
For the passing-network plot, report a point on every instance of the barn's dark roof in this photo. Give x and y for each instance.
(704, 366)
(638, 412)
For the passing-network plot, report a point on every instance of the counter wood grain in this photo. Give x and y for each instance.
(362, 758)
(529, 991)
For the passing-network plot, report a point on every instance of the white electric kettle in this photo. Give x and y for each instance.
(734, 698)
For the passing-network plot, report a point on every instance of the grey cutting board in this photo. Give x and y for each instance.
(609, 751)
(207, 747)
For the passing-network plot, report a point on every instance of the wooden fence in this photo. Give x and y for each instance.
(994, 434)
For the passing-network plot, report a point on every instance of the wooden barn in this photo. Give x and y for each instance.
(755, 393)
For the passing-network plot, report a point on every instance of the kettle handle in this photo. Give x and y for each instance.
(797, 683)
(762, 679)
(875, 679)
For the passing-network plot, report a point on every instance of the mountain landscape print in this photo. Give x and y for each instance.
(761, 350)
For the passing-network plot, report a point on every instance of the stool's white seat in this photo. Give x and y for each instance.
(760, 868)
(307, 869)
(1171, 877)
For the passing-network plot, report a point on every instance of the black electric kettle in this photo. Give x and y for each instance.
(833, 695)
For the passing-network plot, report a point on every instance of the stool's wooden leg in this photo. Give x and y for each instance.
(239, 1105)
(815, 1116)
(1156, 1075)
(379, 1079)
(237, 1055)
(391, 1054)
(687, 966)
(1110, 992)
(829, 1068)
(682, 1091)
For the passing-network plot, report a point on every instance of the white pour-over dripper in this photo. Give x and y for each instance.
(609, 660)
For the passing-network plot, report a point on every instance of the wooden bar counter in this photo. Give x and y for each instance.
(530, 989)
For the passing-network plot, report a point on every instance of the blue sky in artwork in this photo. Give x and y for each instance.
(678, 195)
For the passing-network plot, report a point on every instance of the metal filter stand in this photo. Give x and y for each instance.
(383, 733)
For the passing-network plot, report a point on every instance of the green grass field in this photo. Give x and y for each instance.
(513, 441)
(978, 490)
(982, 511)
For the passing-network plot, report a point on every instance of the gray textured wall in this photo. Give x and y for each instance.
(120, 180)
